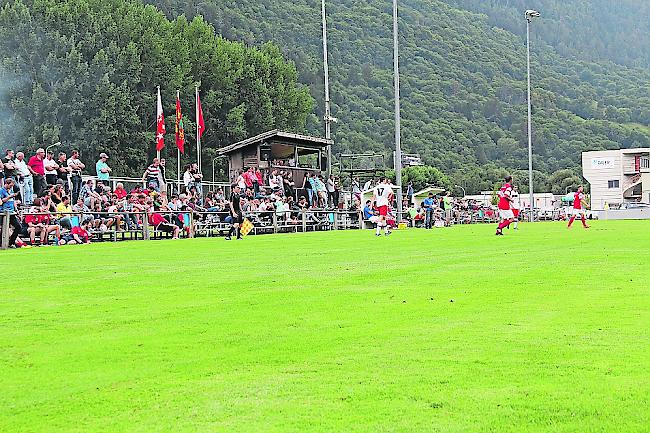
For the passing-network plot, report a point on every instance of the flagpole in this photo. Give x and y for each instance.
(178, 160)
(198, 136)
(157, 151)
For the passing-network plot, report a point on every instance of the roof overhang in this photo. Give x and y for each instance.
(277, 136)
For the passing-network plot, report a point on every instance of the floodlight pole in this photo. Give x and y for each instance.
(398, 145)
(328, 113)
(58, 143)
(530, 14)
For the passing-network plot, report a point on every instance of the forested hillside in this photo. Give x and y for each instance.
(85, 72)
(605, 30)
(463, 77)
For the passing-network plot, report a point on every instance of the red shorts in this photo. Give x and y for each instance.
(383, 210)
(515, 212)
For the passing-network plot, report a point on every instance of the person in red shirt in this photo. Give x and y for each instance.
(37, 168)
(505, 210)
(249, 177)
(120, 192)
(160, 223)
(260, 180)
(38, 222)
(78, 235)
(579, 206)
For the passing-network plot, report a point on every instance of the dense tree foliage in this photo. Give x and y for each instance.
(609, 30)
(85, 72)
(463, 78)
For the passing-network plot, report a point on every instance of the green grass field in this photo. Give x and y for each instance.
(451, 330)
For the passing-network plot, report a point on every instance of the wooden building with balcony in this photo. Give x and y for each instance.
(276, 150)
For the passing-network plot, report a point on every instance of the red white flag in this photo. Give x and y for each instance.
(160, 130)
(199, 121)
(180, 130)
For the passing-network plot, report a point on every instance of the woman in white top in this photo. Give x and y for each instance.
(188, 178)
(241, 182)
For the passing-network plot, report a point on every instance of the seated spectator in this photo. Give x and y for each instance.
(158, 222)
(368, 212)
(77, 236)
(38, 222)
(88, 194)
(120, 192)
(64, 211)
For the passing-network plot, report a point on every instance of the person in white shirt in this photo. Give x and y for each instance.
(382, 195)
(51, 167)
(514, 206)
(367, 185)
(26, 182)
(188, 178)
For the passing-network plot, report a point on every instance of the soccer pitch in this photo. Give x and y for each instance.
(450, 330)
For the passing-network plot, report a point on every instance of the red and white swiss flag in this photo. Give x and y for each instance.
(160, 130)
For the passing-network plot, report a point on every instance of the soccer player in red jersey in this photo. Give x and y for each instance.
(505, 210)
(579, 206)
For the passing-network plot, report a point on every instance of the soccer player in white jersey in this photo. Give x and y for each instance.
(382, 195)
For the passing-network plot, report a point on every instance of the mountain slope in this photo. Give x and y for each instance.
(463, 83)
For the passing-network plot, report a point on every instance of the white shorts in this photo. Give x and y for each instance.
(578, 212)
(506, 214)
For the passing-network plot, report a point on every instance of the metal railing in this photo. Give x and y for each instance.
(119, 226)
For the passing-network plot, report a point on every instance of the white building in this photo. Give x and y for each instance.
(617, 176)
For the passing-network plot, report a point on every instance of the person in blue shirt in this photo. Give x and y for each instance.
(103, 170)
(367, 211)
(8, 204)
(428, 204)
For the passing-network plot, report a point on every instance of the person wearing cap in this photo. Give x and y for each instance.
(103, 170)
(37, 169)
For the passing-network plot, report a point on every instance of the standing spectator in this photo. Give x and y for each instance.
(7, 196)
(9, 165)
(25, 178)
(198, 179)
(259, 180)
(63, 171)
(2, 173)
(288, 184)
(337, 192)
(428, 204)
(151, 176)
(103, 170)
(249, 177)
(76, 167)
(37, 169)
(51, 168)
(356, 189)
(307, 186)
(188, 179)
(241, 181)
(409, 192)
(447, 205)
(330, 190)
(162, 177)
